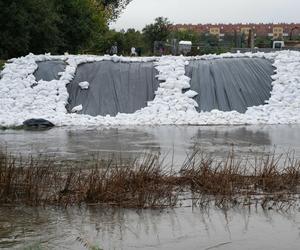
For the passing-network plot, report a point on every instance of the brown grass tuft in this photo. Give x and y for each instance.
(144, 183)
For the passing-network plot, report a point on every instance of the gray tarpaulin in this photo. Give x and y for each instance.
(114, 87)
(48, 70)
(231, 83)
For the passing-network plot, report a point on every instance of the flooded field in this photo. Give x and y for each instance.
(96, 227)
(182, 228)
(171, 142)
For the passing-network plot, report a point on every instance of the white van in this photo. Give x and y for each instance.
(278, 44)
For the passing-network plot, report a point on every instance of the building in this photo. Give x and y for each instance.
(274, 31)
(278, 32)
(216, 31)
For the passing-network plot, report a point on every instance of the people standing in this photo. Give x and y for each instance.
(139, 51)
(133, 52)
(114, 49)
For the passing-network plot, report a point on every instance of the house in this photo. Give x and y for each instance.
(275, 31)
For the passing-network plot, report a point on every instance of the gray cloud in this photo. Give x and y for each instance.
(141, 12)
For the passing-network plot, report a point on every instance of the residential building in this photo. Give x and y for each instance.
(275, 31)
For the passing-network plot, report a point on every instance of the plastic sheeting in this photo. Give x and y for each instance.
(113, 87)
(231, 83)
(48, 70)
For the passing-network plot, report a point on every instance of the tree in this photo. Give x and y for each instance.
(112, 8)
(43, 26)
(263, 42)
(26, 25)
(111, 37)
(186, 35)
(158, 31)
(133, 38)
(54, 26)
(82, 23)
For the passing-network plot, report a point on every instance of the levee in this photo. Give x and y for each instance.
(231, 83)
(113, 87)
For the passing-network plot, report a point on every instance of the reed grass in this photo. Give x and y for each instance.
(145, 183)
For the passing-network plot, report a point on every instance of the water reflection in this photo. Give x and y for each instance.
(128, 229)
(173, 142)
(181, 228)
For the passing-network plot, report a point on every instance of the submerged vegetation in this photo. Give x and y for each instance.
(144, 183)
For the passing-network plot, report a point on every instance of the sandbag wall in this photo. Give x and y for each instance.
(113, 87)
(125, 87)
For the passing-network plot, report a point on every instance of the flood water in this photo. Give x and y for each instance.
(83, 228)
(182, 228)
(171, 142)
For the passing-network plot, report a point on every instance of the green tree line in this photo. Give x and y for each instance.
(55, 26)
(82, 26)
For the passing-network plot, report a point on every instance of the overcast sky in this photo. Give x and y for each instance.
(141, 12)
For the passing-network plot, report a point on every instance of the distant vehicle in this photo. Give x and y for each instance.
(292, 42)
(278, 44)
(185, 47)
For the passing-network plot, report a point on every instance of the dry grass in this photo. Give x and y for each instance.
(231, 176)
(40, 181)
(143, 183)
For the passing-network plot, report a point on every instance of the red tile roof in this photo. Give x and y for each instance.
(259, 29)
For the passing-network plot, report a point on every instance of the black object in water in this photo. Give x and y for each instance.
(231, 83)
(37, 124)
